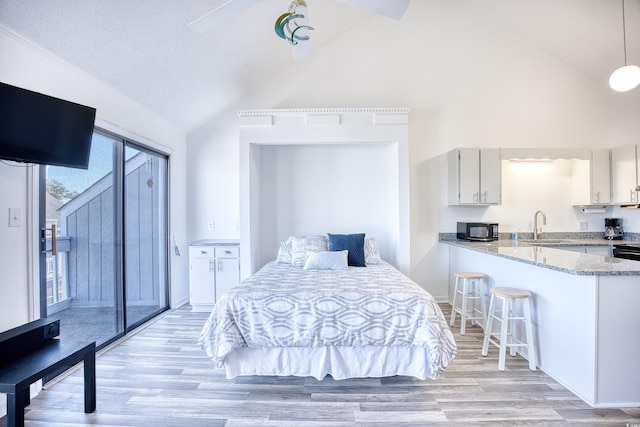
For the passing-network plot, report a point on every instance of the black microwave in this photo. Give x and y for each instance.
(478, 231)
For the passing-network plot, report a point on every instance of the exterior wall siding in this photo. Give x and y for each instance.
(89, 223)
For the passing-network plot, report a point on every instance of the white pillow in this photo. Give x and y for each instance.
(371, 251)
(301, 245)
(327, 260)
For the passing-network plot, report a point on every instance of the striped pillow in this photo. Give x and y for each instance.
(301, 245)
(371, 251)
(284, 252)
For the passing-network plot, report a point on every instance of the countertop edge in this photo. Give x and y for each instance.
(596, 272)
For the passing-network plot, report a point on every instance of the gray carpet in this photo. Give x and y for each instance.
(99, 324)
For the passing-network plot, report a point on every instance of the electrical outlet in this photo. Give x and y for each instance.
(584, 225)
(211, 226)
(237, 226)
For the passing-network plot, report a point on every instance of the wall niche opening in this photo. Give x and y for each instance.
(330, 171)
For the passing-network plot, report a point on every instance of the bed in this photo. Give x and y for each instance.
(349, 322)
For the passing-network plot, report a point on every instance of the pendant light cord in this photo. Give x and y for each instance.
(624, 35)
(626, 77)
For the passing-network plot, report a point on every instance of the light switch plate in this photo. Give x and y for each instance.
(584, 225)
(15, 217)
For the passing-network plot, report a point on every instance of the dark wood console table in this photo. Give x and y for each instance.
(53, 357)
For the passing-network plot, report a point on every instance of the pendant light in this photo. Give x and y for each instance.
(627, 77)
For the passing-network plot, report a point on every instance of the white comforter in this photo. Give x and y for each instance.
(286, 306)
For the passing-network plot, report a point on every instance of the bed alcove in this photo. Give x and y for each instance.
(313, 171)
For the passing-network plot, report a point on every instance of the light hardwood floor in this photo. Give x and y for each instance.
(159, 377)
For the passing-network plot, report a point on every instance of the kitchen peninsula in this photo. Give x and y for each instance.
(585, 310)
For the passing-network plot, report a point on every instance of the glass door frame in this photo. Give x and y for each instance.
(164, 214)
(119, 249)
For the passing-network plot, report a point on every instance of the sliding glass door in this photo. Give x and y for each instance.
(145, 234)
(105, 234)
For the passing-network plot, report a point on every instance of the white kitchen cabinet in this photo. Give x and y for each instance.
(213, 270)
(591, 179)
(475, 176)
(624, 174)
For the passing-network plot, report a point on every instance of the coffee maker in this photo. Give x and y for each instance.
(612, 229)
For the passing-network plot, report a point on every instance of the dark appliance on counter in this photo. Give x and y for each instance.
(612, 229)
(477, 231)
(627, 250)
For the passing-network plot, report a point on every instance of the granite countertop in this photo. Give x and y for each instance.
(550, 255)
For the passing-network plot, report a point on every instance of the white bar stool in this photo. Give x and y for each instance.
(508, 297)
(470, 286)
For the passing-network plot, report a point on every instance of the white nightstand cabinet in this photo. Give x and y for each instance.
(214, 268)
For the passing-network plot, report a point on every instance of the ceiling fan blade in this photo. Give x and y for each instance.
(226, 10)
(389, 8)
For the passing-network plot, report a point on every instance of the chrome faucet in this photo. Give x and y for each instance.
(536, 232)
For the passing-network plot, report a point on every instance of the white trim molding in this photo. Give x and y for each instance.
(311, 111)
(323, 126)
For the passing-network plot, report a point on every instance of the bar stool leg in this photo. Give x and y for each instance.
(479, 297)
(512, 327)
(463, 314)
(483, 304)
(488, 326)
(473, 285)
(531, 348)
(504, 324)
(453, 308)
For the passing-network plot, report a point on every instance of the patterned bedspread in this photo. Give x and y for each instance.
(286, 306)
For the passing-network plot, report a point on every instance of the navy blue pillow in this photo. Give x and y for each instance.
(354, 243)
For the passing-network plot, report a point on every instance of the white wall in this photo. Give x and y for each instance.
(466, 85)
(213, 180)
(324, 189)
(27, 66)
(14, 295)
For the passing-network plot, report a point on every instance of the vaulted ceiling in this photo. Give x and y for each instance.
(145, 49)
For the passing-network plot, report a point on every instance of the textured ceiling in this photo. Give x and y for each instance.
(145, 49)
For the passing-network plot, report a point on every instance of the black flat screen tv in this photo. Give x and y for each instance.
(37, 128)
